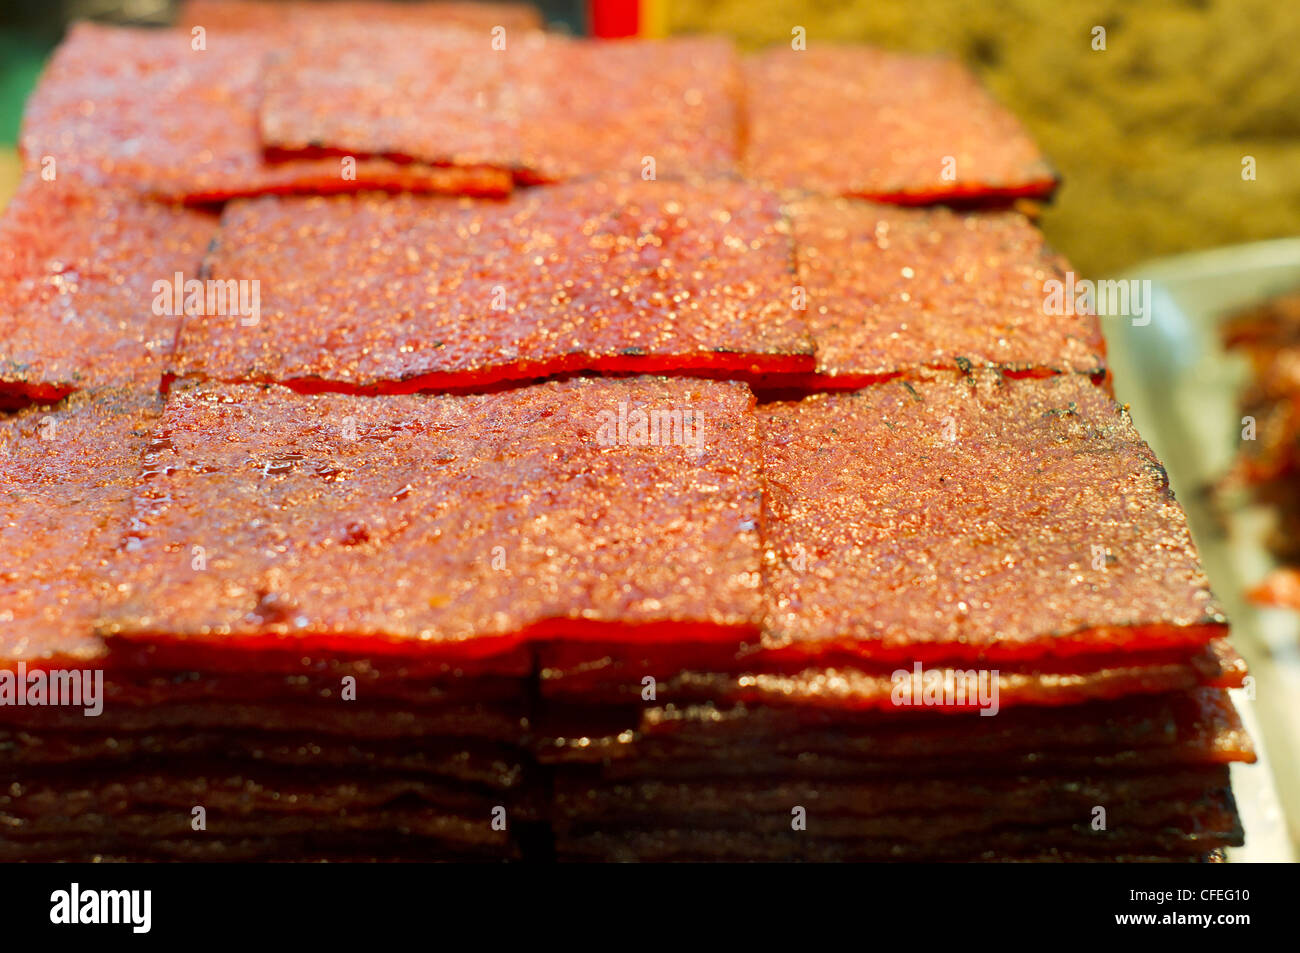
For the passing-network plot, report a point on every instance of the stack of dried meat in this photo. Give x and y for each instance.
(943, 559)
(363, 531)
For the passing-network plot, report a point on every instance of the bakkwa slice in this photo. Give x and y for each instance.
(461, 524)
(390, 91)
(78, 267)
(66, 475)
(898, 127)
(973, 518)
(891, 291)
(153, 111)
(380, 294)
(651, 108)
(545, 106)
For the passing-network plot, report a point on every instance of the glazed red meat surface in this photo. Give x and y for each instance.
(973, 518)
(375, 293)
(548, 107)
(377, 89)
(893, 290)
(898, 127)
(223, 15)
(601, 106)
(77, 299)
(453, 524)
(66, 475)
(145, 110)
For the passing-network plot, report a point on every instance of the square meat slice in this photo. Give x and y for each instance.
(78, 304)
(146, 110)
(380, 294)
(227, 15)
(891, 291)
(973, 519)
(66, 475)
(390, 91)
(898, 127)
(650, 108)
(550, 107)
(591, 508)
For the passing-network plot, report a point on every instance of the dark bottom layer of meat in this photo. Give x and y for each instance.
(1136, 778)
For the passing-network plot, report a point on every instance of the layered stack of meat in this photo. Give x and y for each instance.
(675, 503)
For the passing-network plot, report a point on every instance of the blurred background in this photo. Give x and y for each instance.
(1149, 133)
